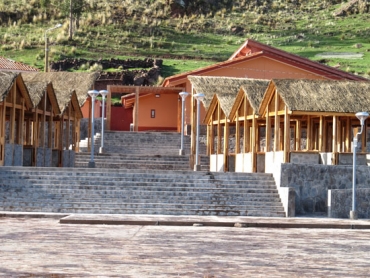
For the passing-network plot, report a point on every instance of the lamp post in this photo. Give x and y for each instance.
(46, 46)
(103, 94)
(183, 96)
(362, 116)
(93, 94)
(199, 97)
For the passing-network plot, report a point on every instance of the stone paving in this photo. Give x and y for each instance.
(42, 247)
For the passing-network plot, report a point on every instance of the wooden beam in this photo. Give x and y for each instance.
(12, 115)
(136, 125)
(286, 135)
(2, 132)
(348, 135)
(21, 123)
(309, 134)
(50, 128)
(211, 139)
(68, 126)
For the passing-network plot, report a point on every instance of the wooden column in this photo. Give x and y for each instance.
(50, 129)
(286, 135)
(321, 127)
(12, 115)
(363, 138)
(21, 123)
(61, 143)
(237, 133)
(77, 131)
(246, 131)
(218, 129)
(309, 133)
(335, 141)
(226, 145)
(253, 147)
(211, 137)
(348, 135)
(268, 129)
(68, 126)
(298, 134)
(276, 124)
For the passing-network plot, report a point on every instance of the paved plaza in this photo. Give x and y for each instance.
(42, 247)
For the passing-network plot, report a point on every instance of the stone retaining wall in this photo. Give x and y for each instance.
(312, 182)
(340, 203)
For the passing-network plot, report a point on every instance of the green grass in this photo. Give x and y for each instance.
(194, 41)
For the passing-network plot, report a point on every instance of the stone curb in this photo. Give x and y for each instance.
(200, 221)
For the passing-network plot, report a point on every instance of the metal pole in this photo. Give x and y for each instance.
(183, 97)
(353, 212)
(93, 94)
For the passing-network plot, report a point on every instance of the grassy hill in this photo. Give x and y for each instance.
(187, 34)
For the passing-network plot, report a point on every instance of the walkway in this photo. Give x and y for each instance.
(42, 247)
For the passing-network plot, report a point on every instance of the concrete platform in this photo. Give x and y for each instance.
(210, 221)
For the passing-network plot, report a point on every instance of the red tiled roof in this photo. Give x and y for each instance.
(251, 49)
(9, 65)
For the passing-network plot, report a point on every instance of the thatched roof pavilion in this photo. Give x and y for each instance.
(325, 109)
(65, 83)
(321, 95)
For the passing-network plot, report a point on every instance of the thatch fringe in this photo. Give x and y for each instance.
(7, 80)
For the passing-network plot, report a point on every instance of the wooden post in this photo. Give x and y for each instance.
(237, 133)
(321, 127)
(335, 140)
(61, 137)
(12, 115)
(193, 117)
(226, 145)
(363, 139)
(309, 134)
(50, 128)
(298, 134)
(268, 129)
(348, 135)
(276, 124)
(286, 135)
(218, 129)
(109, 108)
(253, 147)
(68, 126)
(211, 137)
(21, 123)
(246, 131)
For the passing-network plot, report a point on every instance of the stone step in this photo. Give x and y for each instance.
(167, 211)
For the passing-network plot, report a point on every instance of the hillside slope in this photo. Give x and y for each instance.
(187, 34)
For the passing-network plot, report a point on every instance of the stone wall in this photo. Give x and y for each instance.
(312, 182)
(340, 203)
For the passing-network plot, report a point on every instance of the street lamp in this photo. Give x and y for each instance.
(103, 93)
(93, 94)
(362, 116)
(199, 97)
(46, 46)
(183, 95)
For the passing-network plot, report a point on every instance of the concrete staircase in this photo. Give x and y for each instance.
(139, 173)
(141, 150)
(135, 191)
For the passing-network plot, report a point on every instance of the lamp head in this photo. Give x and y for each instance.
(183, 95)
(103, 93)
(362, 116)
(199, 96)
(93, 93)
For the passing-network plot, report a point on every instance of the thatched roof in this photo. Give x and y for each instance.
(65, 83)
(226, 89)
(7, 80)
(324, 96)
(36, 91)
